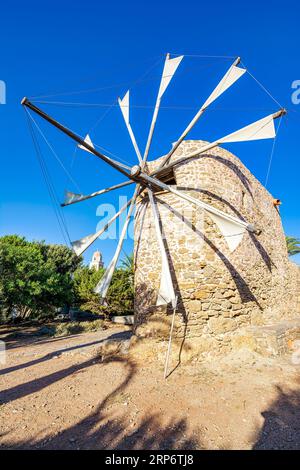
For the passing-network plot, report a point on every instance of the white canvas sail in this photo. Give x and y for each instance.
(169, 70)
(262, 129)
(89, 142)
(232, 233)
(166, 292)
(124, 106)
(103, 286)
(232, 75)
(79, 246)
(72, 197)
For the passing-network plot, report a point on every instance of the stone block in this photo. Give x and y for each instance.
(194, 306)
(201, 294)
(123, 319)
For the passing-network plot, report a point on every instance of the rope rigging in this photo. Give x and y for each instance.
(204, 56)
(54, 153)
(50, 186)
(262, 86)
(108, 87)
(107, 111)
(140, 106)
(272, 153)
(129, 84)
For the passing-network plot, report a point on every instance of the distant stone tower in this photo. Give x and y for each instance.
(96, 262)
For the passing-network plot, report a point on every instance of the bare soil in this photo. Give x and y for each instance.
(63, 393)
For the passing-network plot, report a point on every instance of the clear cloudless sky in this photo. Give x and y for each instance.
(89, 52)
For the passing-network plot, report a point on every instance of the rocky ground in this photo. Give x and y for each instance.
(89, 392)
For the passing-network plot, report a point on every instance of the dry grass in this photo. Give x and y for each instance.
(73, 328)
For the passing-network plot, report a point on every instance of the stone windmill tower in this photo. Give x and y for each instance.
(221, 291)
(208, 239)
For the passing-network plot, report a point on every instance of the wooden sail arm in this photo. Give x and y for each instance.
(73, 198)
(209, 208)
(76, 138)
(81, 245)
(169, 70)
(104, 283)
(234, 137)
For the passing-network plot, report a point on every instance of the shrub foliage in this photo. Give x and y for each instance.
(37, 278)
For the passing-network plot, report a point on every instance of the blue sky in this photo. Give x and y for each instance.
(96, 50)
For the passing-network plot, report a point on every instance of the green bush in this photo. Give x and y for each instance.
(35, 278)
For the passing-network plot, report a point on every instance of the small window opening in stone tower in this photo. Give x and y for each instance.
(169, 177)
(243, 198)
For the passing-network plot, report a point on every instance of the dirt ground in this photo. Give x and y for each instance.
(62, 393)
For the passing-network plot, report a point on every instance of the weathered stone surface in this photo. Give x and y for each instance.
(221, 325)
(219, 292)
(201, 294)
(194, 306)
(272, 340)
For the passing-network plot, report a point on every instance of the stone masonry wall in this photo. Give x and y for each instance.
(219, 292)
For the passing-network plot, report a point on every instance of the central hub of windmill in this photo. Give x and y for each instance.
(135, 170)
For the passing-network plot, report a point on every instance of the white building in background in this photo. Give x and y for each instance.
(96, 261)
(2, 92)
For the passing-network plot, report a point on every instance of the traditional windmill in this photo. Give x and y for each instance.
(231, 227)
